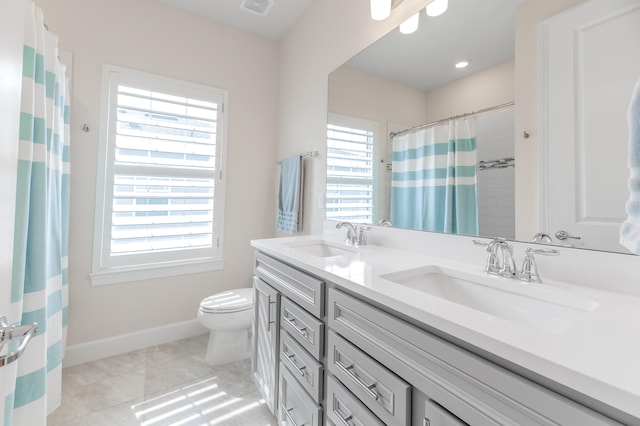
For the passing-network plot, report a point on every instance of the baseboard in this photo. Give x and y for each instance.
(97, 349)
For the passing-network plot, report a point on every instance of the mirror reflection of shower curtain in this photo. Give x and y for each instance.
(433, 183)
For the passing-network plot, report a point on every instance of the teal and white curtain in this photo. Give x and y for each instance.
(39, 287)
(433, 183)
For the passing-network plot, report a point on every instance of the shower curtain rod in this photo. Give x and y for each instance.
(444, 120)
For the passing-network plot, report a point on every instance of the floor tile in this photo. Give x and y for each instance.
(169, 384)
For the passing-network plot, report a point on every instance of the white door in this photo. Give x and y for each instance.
(588, 71)
(11, 39)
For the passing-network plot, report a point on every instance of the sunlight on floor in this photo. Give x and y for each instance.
(198, 403)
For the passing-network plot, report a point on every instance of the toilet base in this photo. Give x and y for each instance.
(225, 347)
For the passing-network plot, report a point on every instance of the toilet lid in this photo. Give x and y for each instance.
(235, 300)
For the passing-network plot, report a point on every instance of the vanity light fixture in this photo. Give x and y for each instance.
(437, 7)
(380, 9)
(463, 64)
(410, 25)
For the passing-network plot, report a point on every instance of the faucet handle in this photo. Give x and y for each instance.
(529, 271)
(362, 241)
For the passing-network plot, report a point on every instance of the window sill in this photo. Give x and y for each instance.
(156, 270)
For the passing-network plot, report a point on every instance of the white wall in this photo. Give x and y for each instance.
(153, 37)
(359, 94)
(490, 87)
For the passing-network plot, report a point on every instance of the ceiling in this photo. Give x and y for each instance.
(478, 30)
(280, 16)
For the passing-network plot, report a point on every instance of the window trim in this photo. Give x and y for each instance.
(348, 121)
(159, 264)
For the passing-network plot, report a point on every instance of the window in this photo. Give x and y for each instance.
(160, 192)
(350, 162)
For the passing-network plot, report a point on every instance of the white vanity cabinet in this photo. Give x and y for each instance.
(288, 341)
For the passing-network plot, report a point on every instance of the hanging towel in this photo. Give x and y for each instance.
(630, 230)
(290, 195)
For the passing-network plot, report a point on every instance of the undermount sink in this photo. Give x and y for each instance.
(323, 248)
(526, 304)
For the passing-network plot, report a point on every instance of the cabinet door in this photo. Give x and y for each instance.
(266, 326)
(435, 415)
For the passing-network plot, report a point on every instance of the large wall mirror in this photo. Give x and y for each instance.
(409, 133)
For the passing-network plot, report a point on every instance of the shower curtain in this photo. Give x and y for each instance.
(39, 291)
(433, 182)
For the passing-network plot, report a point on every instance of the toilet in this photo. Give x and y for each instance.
(228, 315)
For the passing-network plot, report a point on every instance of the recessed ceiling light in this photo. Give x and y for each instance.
(259, 7)
(463, 64)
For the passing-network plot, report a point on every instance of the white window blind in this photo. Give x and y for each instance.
(350, 170)
(162, 172)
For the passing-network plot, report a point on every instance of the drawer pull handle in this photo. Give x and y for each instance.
(292, 321)
(301, 369)
(367, 388)
(345, 420)
(287, 413)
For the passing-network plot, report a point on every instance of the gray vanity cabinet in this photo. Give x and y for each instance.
(360, 364)
(458, 386)
(295, 386)
(266, 324)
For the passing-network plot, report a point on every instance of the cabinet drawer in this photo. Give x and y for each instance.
(296, 407)
(343, 408)
(386, 394)
(305, 290)
(303, 366)
(475, 390)
(305, 328)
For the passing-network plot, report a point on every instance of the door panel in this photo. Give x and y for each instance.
(587, 78)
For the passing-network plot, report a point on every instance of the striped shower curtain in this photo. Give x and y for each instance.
(433, 183)
(39, 290)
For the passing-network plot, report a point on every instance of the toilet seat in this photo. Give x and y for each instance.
(236, 300)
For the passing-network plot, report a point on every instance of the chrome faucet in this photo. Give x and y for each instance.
(500, 261)
(355, 233)
(351, 232)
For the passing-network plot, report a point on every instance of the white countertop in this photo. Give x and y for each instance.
(598, 356)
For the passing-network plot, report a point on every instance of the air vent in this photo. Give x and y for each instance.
(259, 7)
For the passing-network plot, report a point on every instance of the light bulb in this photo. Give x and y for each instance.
(463, 64)
(437, 7)
(380, 9)
(410, 25)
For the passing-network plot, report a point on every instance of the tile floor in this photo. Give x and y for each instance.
(169, 384)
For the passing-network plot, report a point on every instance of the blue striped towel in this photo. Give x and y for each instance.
(630, 230)
(290, 195)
